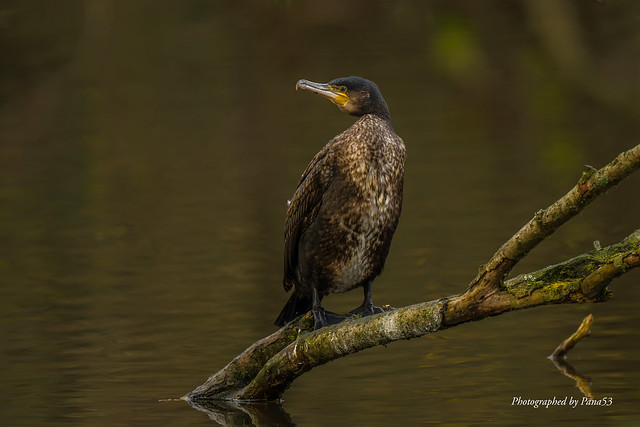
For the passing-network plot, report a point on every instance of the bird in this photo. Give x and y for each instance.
(342, 216)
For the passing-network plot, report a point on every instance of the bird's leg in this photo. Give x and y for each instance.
(319, 315)
(322, 317)
(367, 308)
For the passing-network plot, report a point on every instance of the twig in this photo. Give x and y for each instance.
(560, 353)
(584, 330)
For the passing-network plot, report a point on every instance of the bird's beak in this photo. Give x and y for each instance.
(335, 94)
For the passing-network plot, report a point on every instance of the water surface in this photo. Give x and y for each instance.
(147, 150)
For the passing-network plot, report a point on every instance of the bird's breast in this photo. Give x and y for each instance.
(348, 241)
(368, 222)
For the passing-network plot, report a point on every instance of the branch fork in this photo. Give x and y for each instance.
(269, 366)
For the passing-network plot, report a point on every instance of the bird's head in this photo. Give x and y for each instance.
(353, 95)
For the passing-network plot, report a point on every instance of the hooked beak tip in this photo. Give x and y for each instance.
(301, 84)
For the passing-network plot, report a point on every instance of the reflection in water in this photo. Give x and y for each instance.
(228, 413)
(583, 383)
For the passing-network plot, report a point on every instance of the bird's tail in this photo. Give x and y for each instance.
(297, 305)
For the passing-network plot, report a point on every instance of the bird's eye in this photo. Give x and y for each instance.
(341, 89)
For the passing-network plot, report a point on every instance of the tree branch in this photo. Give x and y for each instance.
(267, 368)
(592, 184)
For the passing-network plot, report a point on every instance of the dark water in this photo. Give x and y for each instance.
(147, 150)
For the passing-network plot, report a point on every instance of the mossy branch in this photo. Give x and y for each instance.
(268, 367)
(592, 183)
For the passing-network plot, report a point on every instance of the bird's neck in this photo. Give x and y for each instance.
(379, 117)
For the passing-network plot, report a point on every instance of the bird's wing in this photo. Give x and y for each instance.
(303, 209)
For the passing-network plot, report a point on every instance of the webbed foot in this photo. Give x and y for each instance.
(365, 310)
(322, 318)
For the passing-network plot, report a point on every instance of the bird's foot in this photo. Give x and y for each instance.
(322, 318)
(365, 310)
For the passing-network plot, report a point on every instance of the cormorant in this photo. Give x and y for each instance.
(345, 209)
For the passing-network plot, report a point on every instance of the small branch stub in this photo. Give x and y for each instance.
(584, 330)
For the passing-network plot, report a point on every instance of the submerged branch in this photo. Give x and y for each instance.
(303, 350)
(559, 354)
(243, 369)
(267, 368)
(584, 330)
